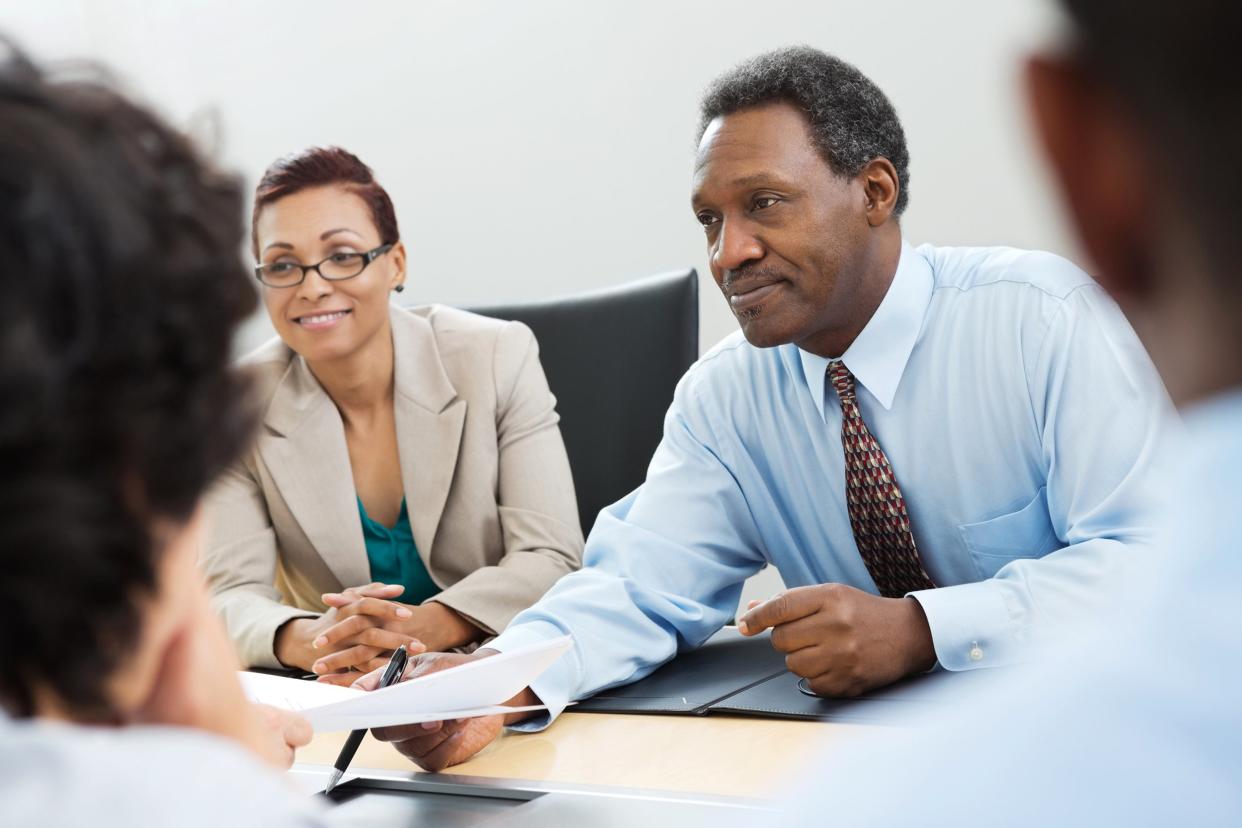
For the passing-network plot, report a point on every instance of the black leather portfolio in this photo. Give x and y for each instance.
(745, 676)
(694, 681)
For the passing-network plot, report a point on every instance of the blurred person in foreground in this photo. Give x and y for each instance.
(122, 284)
(1138, 114)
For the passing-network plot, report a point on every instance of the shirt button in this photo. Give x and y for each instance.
(976, 653)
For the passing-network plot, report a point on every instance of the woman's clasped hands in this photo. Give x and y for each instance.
(361, 628)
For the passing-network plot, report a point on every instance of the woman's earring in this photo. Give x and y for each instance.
(399, 288)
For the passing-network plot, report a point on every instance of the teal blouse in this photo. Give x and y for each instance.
(394, 557)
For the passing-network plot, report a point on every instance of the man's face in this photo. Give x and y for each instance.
(786, 235)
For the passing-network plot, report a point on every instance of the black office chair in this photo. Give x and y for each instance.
(613, 358)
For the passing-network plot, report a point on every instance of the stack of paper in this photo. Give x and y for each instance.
(476, 688)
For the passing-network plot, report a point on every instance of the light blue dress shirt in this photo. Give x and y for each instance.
(1140, 725)
(1020, 415)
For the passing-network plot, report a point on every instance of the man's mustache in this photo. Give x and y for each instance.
(750, 273)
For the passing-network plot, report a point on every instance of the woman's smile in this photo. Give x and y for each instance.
(321, 320)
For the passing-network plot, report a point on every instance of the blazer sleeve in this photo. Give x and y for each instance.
(239, 559)
(535, 493)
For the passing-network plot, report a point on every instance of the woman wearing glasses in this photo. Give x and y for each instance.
(409, 486)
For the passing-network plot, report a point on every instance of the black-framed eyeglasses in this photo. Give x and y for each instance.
(335, 268)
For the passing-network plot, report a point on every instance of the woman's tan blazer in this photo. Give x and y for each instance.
(487, 483)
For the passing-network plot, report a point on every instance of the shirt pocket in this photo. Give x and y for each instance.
(1024, 534)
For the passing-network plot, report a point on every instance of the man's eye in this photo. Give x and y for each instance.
(706, 219)
(764, 202)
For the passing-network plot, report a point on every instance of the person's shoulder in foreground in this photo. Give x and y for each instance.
(62, 775)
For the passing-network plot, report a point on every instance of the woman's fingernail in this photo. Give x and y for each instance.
(402, 612)
(319, 642)
(317, 668)
(431, 725)
(742, 628)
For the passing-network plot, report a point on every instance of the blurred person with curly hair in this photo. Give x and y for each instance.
(119, 700)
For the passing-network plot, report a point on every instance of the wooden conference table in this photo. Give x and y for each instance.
(718, 755)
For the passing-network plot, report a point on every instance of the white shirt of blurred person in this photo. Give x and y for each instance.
(194, 751)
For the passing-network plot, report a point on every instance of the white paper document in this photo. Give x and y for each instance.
(476, 688)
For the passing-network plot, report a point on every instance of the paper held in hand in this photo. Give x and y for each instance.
(476, 688)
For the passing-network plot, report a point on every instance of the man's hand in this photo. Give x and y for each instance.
(842, 640)
(434, 746)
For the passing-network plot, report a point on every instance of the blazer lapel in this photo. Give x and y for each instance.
(430, 419)
(305, 452)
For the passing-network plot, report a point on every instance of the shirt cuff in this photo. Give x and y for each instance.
(553, 686)
(970, 626)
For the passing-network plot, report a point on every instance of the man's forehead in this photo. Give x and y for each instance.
(733, 137)
(744, 147)
(771, 128)
(710, 133)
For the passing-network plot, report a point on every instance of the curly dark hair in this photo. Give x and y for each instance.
(851, 120)
(121, 272)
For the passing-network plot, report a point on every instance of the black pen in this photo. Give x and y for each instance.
(392, 673)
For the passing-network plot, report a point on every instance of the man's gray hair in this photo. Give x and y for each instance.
(851, 120)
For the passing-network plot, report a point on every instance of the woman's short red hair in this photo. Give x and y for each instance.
(318, 167)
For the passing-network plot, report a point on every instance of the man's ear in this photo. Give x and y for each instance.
(1100, 163)
(881, 187)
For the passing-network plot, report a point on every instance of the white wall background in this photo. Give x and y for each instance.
(543, 147)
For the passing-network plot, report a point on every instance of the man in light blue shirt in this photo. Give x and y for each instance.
(1004, 393)
(1141, 724)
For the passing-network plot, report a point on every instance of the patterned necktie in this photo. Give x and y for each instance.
(877, 509)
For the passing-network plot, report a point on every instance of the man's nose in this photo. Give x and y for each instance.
(735, 246)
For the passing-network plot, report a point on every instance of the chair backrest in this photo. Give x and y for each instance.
(613, 358)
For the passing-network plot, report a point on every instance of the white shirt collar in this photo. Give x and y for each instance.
(877, 358)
